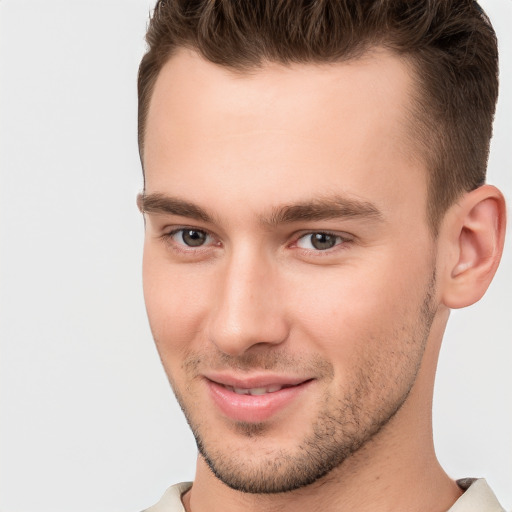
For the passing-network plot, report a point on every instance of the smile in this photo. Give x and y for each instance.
(253, 402)
(255, 391)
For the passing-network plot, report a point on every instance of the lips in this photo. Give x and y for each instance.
(255, 399)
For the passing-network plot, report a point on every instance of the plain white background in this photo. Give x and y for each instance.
(88, 422)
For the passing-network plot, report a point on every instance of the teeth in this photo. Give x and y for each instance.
(254, 391)
(257, 391)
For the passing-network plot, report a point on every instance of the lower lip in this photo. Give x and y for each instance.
(253, 408)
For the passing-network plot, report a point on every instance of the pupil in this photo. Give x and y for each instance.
(193, 238)
(323, 241)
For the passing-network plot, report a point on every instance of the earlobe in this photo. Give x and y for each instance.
(474, 230)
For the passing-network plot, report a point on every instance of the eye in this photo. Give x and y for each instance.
(190, 237)
(319, 241)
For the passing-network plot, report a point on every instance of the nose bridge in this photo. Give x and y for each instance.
(248, 311)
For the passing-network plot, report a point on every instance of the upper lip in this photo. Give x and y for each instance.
(255, 380)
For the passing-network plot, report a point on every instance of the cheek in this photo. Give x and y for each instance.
(175, 301)
(373, 337)
(370, 308)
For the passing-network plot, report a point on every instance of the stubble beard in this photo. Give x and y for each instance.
(341, 428)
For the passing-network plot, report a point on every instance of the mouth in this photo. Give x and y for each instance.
(255, 399)
(257, 391)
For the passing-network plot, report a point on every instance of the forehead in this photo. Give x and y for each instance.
(344, 126)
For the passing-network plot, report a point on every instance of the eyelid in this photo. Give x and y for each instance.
(168, 238)
(344, 238)
(171, 231)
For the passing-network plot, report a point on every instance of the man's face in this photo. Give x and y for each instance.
(288, 265)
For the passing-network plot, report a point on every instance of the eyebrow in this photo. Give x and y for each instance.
(160, 203)
(332, 207)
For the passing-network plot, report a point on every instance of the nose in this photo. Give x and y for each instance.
(248, 310)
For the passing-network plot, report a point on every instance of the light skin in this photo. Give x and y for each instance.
(287, 244)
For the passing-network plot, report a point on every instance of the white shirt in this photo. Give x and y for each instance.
(478, 497)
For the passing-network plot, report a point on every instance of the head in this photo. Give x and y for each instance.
(313, 207)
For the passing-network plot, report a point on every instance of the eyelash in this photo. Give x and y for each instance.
(182, 247)
(341, 240)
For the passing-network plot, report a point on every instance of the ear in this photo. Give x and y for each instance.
(471, 243)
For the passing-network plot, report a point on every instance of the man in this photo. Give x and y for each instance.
(315, 204)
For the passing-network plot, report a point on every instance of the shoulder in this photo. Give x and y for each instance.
(171, 500)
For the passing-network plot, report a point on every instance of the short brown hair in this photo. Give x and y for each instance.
(450, 44)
